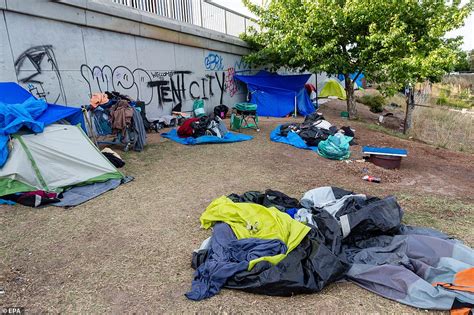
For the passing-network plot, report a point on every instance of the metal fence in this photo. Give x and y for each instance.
(198, 12)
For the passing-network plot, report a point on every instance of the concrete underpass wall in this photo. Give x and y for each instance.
(65, 50)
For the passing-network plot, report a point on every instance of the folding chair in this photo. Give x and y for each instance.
(242, 114)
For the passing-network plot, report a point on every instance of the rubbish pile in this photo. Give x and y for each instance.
(270, 243)
(317, 134)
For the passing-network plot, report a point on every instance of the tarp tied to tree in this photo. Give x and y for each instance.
(392, 42)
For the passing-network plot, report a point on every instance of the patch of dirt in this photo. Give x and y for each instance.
(362, 168)
(129, 250)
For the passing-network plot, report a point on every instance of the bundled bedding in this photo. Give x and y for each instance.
(316, 134)
(270, 243)
(204, 130)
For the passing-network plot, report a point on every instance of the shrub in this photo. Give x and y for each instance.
(442, 100)
(375, 102)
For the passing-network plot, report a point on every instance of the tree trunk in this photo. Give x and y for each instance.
(409, 112)
(351, 104)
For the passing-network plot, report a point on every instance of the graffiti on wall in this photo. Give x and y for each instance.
(176, 88)
(231, 86)
(153, 87)
(33, 67)
(214, 62)
(37, 68)
(121, 79)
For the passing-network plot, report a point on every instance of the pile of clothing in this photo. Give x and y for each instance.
(316, 134)
(202, 126)
(113, 157)
(270, 243)
(315, 129)
(32, 198)
(112, 113)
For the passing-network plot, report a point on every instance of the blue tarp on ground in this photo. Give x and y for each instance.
(275, 94)
(80, 194)
(228, 138)
(291, 139)
(18, 109)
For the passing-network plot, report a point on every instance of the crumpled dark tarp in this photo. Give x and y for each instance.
(363, 240)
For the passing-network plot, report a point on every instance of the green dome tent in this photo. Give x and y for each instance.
(58, 158)
(333, 88)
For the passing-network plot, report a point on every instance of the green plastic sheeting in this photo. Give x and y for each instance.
(335, 147)
(333, 88)
(249, 220)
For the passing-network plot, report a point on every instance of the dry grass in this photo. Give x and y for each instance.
(444, 128)
(128, 251)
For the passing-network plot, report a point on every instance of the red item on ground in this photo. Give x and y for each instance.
(371, 179)
(185, 130)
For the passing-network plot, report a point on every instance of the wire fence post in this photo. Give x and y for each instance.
(200, 8)
(225, 22)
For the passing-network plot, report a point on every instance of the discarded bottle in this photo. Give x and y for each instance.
(371, 179)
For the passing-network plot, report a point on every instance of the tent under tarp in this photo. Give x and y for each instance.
(60, 157)
(278, 95)
(20, 109)
(12, 93)
(358, 83)
(333, 88)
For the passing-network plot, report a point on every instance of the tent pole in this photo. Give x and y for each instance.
(295, 108)
(89, 126)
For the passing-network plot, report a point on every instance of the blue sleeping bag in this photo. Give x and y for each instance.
(228, 138)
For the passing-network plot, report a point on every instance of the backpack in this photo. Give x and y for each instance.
(221, 111)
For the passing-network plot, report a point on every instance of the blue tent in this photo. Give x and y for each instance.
(359, 81)
(20, 109)
(275, 94)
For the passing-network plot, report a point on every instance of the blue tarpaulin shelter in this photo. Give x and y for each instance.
(276, 95)
(12, 93)
(359, 81)
(20, 109)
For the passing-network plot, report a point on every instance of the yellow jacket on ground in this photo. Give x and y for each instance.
(249, 220)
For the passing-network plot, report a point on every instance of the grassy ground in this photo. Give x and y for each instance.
(129, 250)
(438, 125)
(444, 128)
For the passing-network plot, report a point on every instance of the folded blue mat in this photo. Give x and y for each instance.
(385, 151)
(291, 139)
(228, 138)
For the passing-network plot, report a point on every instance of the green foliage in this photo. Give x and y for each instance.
(375, 102)
(442, 100)
(461, 100)
(453, 102)
(392, 42)
(463, 62)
